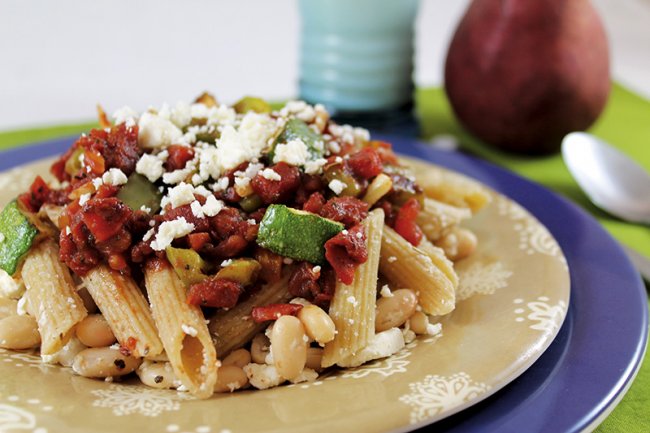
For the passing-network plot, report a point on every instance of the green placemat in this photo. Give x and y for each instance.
(624, 123)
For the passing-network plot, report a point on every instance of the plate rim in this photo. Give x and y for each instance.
(462, 163)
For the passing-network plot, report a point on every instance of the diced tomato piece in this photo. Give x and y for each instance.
(346, 251)
(105, 217)
(197, 240)
(277, 191)
(405, 222)
(178, 156)
(315, 203)
(274, 311)
(215, 292)
(304, 281)
(385, 151)
(365, 163)
(346, 210)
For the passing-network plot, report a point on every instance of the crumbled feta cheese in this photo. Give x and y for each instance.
(189, 330)
(315, 166)
(170, 230)
(150, 167)
(97, 182)
(115, 177)
(226, 262)
(262, 376)
(392, 259)
(306, 375)
(385, 291)
(197, 209)
(181, 194)
(299, 109)
(146, 209)
(434, 328)
(155, 131)
(201, 190)
(221, 185)
(83, 199)
(316, 269)
(178, 176)
(270, 174)
(209, 166)
(124, 114)
(67, 230)
(212, 206)
(337, 186)
(334, 147)
(383, 344)
(181, 114)
(295, 152)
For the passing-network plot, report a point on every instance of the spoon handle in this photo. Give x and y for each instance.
(640, 262)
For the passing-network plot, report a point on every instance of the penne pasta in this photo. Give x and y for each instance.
(182, 329)
(353, 306)
(437, 218)
(51, 296)
(233, 328)
(125, 309)
(409, 267)
(453, 189)
(440, 260)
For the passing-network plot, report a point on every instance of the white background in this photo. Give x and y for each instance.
(59, 58)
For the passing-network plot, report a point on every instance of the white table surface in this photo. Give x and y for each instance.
(60, 58)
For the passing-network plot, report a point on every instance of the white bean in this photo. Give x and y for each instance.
(230, 378)
(104, 362)
(318, 324)
(157, 374)
(260, 348)
(7, 307)
(19, 332)
(289, 346)
(395, 310)
(94, 331)
(418, 323)
(458, 244)
(239, 357)
(314, 358)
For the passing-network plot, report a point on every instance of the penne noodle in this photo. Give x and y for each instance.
(125, 309)
(353, 306)
(182, 329)
(453, 189)
(233, 328)
(51, 296)
(437, 218)
(440, 260)
(411, 268)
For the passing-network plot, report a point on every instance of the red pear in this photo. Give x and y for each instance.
(520, 74)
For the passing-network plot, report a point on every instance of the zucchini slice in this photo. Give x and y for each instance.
(296, 234)
(17, 237)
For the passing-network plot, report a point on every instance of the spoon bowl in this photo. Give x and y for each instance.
(611, 180)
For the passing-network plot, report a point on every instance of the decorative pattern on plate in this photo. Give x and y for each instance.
(546, 317)
(383, 367)
(533, 237)
(133, 399)
(435, 394)
(482, 278)
(15, 418)
(175, 428)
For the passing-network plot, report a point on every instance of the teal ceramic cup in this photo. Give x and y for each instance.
(357, 55)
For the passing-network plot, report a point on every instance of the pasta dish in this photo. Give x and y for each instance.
(210, 248)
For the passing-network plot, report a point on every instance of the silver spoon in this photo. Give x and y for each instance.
(612, 181)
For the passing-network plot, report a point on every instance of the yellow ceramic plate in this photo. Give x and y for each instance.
(514, 294)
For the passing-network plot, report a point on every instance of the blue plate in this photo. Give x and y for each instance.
(600, 347)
